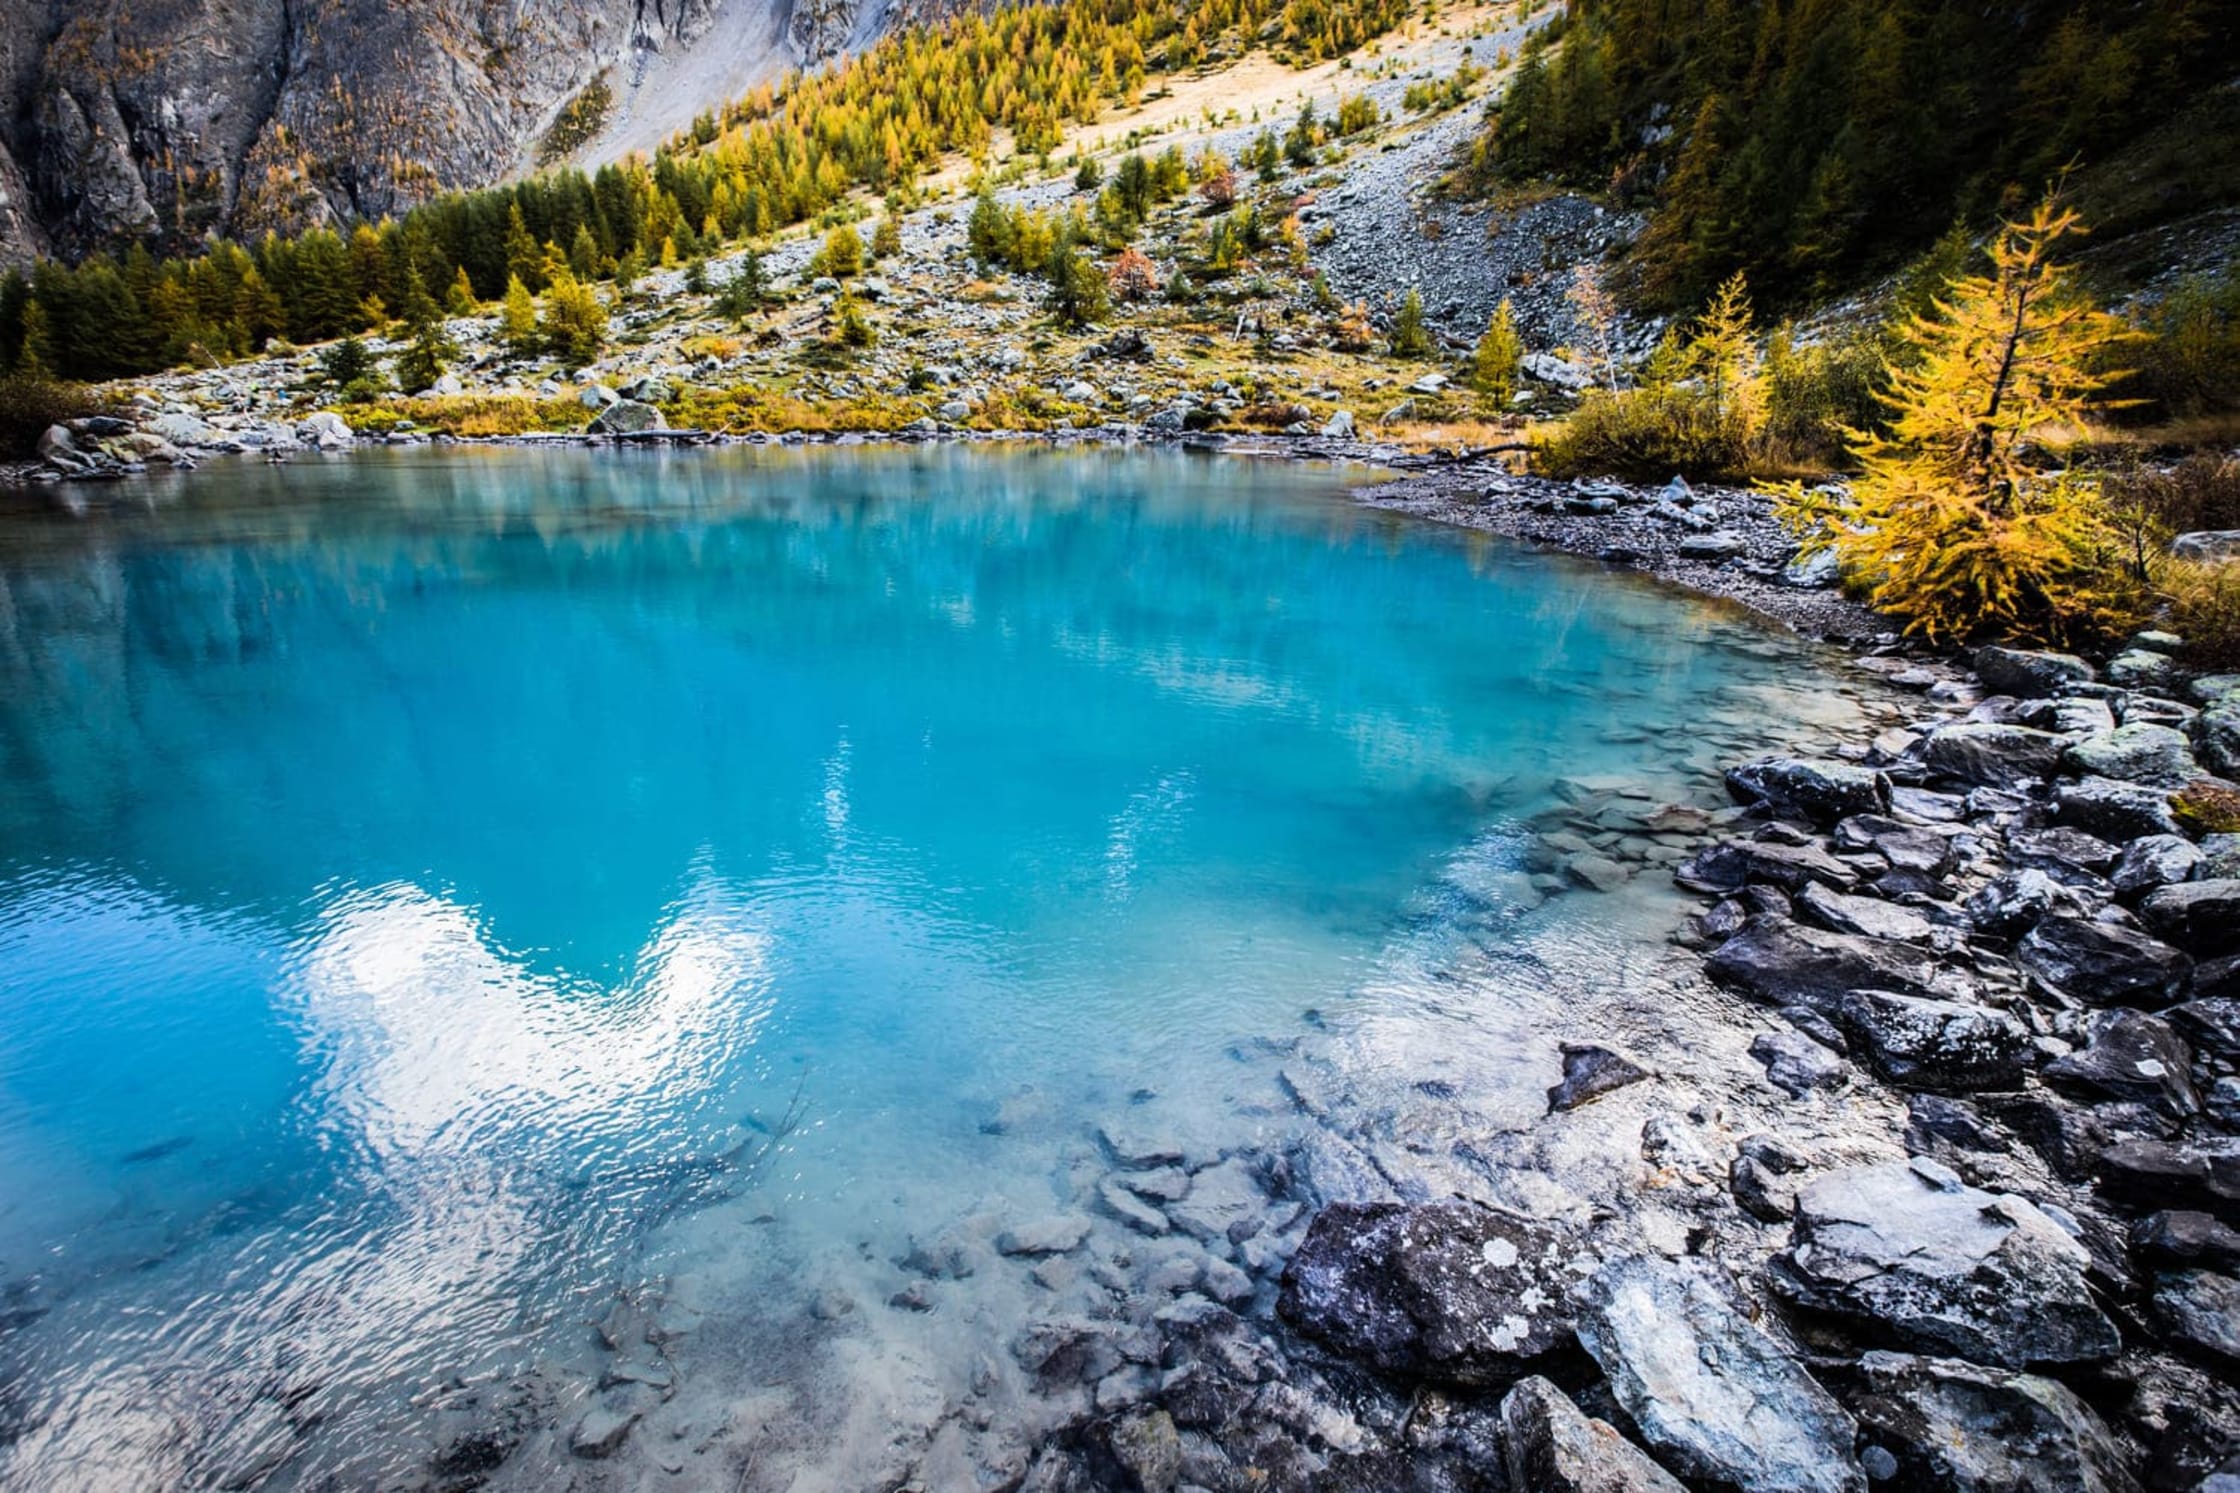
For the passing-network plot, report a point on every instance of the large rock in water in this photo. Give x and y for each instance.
(1972, 1429)
(1450, 1292)
(1551, 1446)
(1784, 963)
(1908, 1253)
(1993, 756)
(1938, 1045)
(1712, 1392)
(2103, 964)
(1822, 792)
(627, 417)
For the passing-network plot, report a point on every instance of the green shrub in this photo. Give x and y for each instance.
(1647, 434)
(1815, 394)
(2188, 361)
(2205, 611)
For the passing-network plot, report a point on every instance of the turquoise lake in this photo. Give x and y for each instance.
(440, 891)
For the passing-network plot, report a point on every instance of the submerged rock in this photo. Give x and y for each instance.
(1708, 1389)
(1549, 1445)
(1589, 1072)
(1449, 1292)
(1907, 1252)
(1957, 1425)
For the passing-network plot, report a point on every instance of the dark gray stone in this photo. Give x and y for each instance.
(2103, 963)
(1765, 1175)
(1447, 1292)
(2202, 917)
(1149, 1451)
(2201, 1309)
(2154, 861)
(1550, 1446)
(1870, 917)
(1992, 755)
(1707, 1389)
(2211, 1023)
(1907, 1253)
(1727, 866)
(1796, 1063)
(2013, 902)
(2216, 735)
(2114, 810)
(1961, 1426)
(2182, 1236)
(2014, 671)
(2061, 848)
(1819, 791)
(1939, 1045)
(1589, 1072)
(2134, 1058)
(1784, 963)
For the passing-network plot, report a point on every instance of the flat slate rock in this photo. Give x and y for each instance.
(1784, 963)
(1908, 1253)
(2103, 963)
(1707, 1389)
(1589, 1072)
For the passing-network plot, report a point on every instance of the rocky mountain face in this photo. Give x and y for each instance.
(168, 119)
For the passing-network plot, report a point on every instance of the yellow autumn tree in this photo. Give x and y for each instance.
(1961, 521)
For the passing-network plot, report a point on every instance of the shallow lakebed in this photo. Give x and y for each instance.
(648, 964)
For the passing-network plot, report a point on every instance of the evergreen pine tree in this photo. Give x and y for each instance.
(524, 255)
(459, 300)
(1411, 338)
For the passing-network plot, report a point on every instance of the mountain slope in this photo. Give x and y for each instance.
(131, 119)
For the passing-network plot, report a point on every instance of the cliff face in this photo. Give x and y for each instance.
(169, 119)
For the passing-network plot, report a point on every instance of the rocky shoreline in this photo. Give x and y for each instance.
(1912, 1162)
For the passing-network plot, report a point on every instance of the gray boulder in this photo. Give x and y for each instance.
(2216, 733)
(2103, 963)
(2220, 858)
(1908, 1253)
(597, 397)
(1714, 547)
(1709, 1390)
(1339, 427)
(2015, 671)
(1589, 1072)
(1784, 963)
(627, 417)
(2136, 753)
(187, 430)
(1971, 1429)
(326, 431)
(1448, 1292)
(2113, 809)
(2133, 1058)
(2202, 917)
(1938, 1045)
(2143, 668)
(1551, 1446)
(1149, 1447)
(2212, 1023)
(1992, 756)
